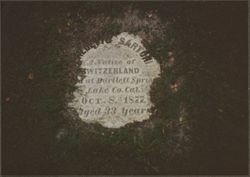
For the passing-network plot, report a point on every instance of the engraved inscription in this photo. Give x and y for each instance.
(116, 88)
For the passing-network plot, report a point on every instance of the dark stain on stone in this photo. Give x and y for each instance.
(186, 133)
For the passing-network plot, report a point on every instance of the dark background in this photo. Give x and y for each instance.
(217, 95)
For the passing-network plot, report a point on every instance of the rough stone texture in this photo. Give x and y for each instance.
(199, 120)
